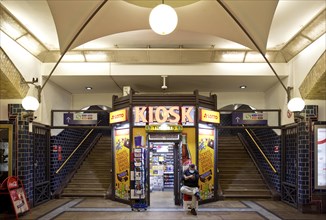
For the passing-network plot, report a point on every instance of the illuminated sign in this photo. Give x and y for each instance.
(249, 118)
(118, 116)
(162, 114)
(209, 116)
(163, 127)
(80, 118)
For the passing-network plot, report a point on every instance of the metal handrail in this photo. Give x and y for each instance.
(72, 153)
(266, 159)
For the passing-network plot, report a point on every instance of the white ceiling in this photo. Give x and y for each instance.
(203, 24)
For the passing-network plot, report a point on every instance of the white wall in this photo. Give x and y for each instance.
(54, 98)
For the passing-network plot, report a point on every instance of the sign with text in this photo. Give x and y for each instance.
(251, 118)
(79, 118)
(163, 114)
(209, 116)
(206, 152)
(163, 127)
(118, 116)
(121, 162)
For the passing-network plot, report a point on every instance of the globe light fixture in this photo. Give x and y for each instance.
(296, 104)
(30, 103)
(163, 19)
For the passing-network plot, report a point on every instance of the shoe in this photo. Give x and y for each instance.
(193, 211)
(197, 195)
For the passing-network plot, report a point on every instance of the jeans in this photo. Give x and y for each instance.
(190, 191)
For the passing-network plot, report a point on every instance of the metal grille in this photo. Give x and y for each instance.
(289, 182)
(41, 161)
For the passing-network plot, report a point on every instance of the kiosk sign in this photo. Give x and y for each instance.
(163, 114)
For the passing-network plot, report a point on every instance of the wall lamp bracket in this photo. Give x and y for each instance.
(28, 115)
(38, 87)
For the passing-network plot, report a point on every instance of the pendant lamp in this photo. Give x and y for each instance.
(163, 19)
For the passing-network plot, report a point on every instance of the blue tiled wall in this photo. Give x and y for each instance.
(267, 140)
(68, 139)
(24, 152)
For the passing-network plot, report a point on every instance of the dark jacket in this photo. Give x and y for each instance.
(190, 182)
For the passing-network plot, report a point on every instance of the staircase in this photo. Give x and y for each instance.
(238, 176)
(94, 176)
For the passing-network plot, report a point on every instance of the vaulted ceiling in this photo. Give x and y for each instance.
(206, 34)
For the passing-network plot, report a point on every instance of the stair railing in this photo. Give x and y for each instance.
(261, 152)
(66, 180)
(264, 175)
(73, 152)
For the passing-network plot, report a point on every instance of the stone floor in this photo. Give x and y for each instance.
(162, 207)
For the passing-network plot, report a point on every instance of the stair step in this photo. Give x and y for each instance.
(81, 189)
(90, 181)
(240, 176)
(96, 175)
(89, 185)
(241, 181)
(94, 172)
(84, 194)
(239, 165)
(246, 196)
(242, 171)
(243, 186)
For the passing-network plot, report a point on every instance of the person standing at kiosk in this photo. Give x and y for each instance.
(190, 186)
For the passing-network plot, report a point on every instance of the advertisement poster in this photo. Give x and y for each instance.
(206, 163)
(19, 200)
(122, 163)
(320, 158)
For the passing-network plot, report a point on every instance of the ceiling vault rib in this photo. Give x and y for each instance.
(256, 45)
(71, 42)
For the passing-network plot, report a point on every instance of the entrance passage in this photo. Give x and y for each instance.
(163, 182)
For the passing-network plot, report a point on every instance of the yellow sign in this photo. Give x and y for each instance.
(118, 116)
(164, 128)
(209, 116)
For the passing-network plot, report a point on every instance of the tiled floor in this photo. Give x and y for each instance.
(162, 208)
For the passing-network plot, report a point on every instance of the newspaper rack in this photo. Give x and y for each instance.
(14, 187)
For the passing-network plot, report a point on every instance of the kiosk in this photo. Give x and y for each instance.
(172, 131)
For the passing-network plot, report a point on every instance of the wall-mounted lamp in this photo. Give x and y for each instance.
(296, 104)
(30, 103)
(163, 19)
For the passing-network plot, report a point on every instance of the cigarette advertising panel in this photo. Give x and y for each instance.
(206, 145)
(122, 163)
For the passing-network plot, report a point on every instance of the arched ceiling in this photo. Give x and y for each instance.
(205, 34)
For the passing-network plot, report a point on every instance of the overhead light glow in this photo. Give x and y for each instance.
(30, 44)
(88, 88)
(243, 87)
(74, 57)
(10, 30)
(163, 19)
(96, 57)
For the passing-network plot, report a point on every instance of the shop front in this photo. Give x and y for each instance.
(155, 138)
